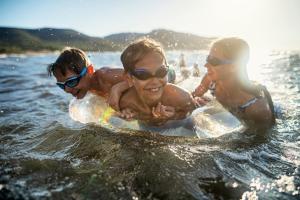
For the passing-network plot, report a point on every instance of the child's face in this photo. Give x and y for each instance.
(218, 72)
(151, 89)
(80, 90)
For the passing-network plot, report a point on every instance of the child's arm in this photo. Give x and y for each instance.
(107, 77)
(127, 114)
(181, 113)
(131, 109)
(203, 87)
(115, 94)
(180, 100)
(163, 112)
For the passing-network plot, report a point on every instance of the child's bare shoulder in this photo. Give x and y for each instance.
(108, 74)
(103, 71)
(259, 111)
(174, 90)
(176, 95)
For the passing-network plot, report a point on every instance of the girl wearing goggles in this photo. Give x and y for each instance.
(228, 81)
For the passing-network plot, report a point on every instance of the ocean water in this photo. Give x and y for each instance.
(44, 154)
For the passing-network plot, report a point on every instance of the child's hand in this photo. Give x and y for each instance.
(126, 114)
(163, 112)
(201, 101)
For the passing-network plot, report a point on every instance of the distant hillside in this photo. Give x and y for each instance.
(122, 39)
(176, 40)
(171, 40)
(14, 40)
(17, 40)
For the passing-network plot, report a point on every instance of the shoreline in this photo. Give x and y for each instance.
(46, 52)
(28, 53)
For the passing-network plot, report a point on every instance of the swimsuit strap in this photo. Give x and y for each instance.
(270, 101)
(243, 107)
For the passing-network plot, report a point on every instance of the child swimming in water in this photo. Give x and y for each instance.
(75, 74)
(228, 81)
(151, 99)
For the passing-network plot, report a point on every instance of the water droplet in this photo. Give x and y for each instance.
(235, 184)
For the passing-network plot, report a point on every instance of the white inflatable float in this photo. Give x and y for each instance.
(209, 121)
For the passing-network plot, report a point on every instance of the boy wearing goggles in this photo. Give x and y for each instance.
(75, 75)
(150, 98)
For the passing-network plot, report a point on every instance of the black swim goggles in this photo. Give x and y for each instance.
(214, 61)
(143, 74)
(72, 81)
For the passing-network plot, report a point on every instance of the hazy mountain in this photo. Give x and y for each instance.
(15, 40)
(19, 40)
(171, 40)
(176, 40)
(123, 38)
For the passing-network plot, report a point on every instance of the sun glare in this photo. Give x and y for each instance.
(246, 17)
(258, 57)
(242, 18)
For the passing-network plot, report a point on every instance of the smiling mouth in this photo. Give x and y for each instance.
(156, 89)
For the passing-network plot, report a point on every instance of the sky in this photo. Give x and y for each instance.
(270, 24)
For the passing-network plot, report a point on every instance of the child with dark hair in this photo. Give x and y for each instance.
(75, 74)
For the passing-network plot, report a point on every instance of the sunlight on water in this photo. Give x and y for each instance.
(258, 59)
(44, 153)
(283, 184)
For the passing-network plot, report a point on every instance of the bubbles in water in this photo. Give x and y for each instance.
(286, 184)
(250, 196)
(283, 184)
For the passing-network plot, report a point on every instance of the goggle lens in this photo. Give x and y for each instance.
(72, 81)
(143, 74)
(217, 61)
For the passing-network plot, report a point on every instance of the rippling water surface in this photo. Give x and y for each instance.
(46, 155)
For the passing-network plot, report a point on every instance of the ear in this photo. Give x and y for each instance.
(129, 79)
(90, 69)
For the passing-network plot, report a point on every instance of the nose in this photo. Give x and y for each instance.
(156, 80)
(206, 65)
(68, 89)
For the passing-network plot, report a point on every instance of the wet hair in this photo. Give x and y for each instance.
(237, 50)
(72, 59)
(137, 50)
